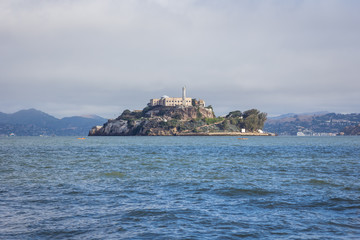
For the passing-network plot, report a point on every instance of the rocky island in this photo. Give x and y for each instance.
(182, 117)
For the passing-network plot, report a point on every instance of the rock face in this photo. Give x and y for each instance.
(181, 113)
(171, 121)
(152, 121)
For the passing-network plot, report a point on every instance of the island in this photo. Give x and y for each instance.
(182, 116)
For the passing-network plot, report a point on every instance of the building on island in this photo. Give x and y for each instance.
(171, 101)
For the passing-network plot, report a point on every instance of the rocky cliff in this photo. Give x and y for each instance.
(170, 121)
(157, 120)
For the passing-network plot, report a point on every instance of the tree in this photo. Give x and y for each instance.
(254, 119)
(262, 119)
(251, 112)
(126, 112)
(236, 113)
(225, 124)
(251, 123)
(125, 115)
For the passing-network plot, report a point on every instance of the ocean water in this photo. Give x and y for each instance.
(180, 188)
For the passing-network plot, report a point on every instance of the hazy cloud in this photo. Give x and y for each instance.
(76, 57)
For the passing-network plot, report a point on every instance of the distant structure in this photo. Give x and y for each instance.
(171, 101)
(184, 96)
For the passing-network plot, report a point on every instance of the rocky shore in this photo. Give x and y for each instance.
(226, 134)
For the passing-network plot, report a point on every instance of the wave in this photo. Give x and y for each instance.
(233, 192)
(114, 174)
(321, 182)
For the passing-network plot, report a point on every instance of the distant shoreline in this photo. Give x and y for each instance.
(227, 134)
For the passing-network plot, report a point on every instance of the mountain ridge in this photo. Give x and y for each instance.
(313, 124)
(33, 122)
(286, 115)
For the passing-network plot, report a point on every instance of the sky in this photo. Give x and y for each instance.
(76, 57)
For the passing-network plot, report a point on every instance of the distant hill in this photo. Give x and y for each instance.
(290, 115)
(33, 122)
(312, 123)
(352, 130)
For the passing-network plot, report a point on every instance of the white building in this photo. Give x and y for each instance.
(171, 101)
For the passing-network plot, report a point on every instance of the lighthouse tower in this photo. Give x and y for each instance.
(184, 96)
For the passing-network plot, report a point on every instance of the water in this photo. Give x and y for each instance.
(180, 188)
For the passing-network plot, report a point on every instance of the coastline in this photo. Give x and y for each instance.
(226, 134)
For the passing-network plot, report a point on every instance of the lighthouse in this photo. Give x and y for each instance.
(184, 96)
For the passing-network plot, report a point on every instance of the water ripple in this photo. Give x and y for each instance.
(179, 188)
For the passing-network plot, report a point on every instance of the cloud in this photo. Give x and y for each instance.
(278, 56)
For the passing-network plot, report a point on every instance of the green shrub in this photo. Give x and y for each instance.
(209, 121)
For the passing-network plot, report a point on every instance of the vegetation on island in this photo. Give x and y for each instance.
(192, 120)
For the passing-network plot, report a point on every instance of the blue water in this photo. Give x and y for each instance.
(180, 188)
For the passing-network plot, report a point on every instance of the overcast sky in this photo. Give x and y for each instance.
(101, 57)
